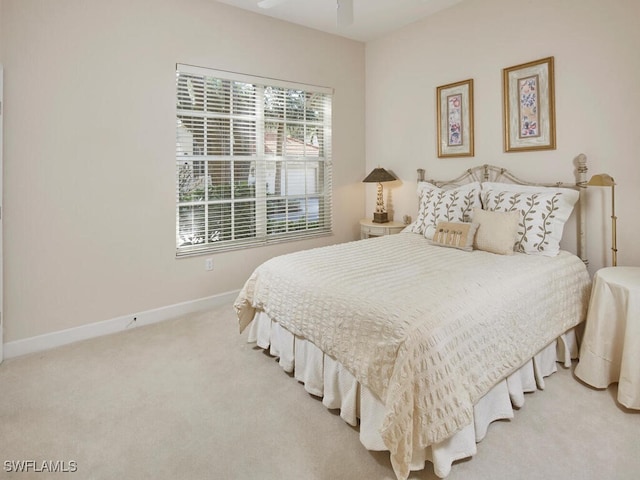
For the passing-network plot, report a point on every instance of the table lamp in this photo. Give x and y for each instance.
(604, 180)
(379, 175)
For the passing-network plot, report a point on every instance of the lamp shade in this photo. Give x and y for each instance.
(601, 180)
(379, 175)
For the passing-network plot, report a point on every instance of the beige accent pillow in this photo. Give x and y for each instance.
(455, 235)
(496, 231)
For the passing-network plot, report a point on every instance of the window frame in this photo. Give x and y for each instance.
(259, 225)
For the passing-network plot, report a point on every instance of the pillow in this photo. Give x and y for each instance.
(543, 213)
(455, 235)
(444, 205)
(496, 231)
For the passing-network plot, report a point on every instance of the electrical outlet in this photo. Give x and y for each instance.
(208, 264)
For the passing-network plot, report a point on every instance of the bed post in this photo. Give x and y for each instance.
(581, 183)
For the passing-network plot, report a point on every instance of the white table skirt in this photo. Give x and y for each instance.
(610, 350)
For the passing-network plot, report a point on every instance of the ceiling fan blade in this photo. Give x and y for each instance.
(270, 3)
(345, 12)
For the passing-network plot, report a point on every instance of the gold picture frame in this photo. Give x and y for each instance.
(455, 119)
(529, 106)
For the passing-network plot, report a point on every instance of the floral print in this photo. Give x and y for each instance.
(454, 120)
(528, 88)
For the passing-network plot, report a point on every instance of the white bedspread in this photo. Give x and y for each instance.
(428, 329)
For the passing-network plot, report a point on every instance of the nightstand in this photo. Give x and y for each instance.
(610, 350)
(368, 228)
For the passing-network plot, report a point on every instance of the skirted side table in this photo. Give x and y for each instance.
(610, 350)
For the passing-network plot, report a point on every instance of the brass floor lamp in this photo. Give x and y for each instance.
(605, 180)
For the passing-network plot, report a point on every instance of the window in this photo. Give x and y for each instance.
(253, 160)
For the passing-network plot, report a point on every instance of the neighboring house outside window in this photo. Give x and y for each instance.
(253, 160)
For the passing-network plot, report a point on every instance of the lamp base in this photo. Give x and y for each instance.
(380, 217)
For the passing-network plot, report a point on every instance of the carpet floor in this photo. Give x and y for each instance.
(190, 399)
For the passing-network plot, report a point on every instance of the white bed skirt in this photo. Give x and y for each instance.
(324, 377)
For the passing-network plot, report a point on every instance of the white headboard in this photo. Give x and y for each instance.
(491, 173)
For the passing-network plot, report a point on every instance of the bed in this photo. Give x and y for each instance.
(424, 338)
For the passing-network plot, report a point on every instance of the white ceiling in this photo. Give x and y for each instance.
(372, 18)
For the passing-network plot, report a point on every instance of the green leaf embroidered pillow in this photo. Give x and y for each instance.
(543, 213)
(444, 205)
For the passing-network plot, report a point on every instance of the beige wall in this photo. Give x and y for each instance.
(595, 45)
(89, 189)
(89, 183)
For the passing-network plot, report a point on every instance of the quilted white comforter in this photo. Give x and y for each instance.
(428, 329)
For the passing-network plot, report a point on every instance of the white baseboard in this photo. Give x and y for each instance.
(114, 325)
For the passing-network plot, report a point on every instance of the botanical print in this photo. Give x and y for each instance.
(454, 120)
(528, 106)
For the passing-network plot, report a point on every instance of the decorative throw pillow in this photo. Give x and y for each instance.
(496, 231)
(444, 205)
(455, 235)
(543, 213)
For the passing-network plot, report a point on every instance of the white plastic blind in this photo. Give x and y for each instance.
(253, 160)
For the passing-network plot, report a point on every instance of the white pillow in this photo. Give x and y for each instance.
(444, 205)
(543, 213)
(496, 231)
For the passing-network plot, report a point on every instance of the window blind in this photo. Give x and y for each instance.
(253, 160)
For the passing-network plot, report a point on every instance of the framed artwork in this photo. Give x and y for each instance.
(529, 106)
(455, 119)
